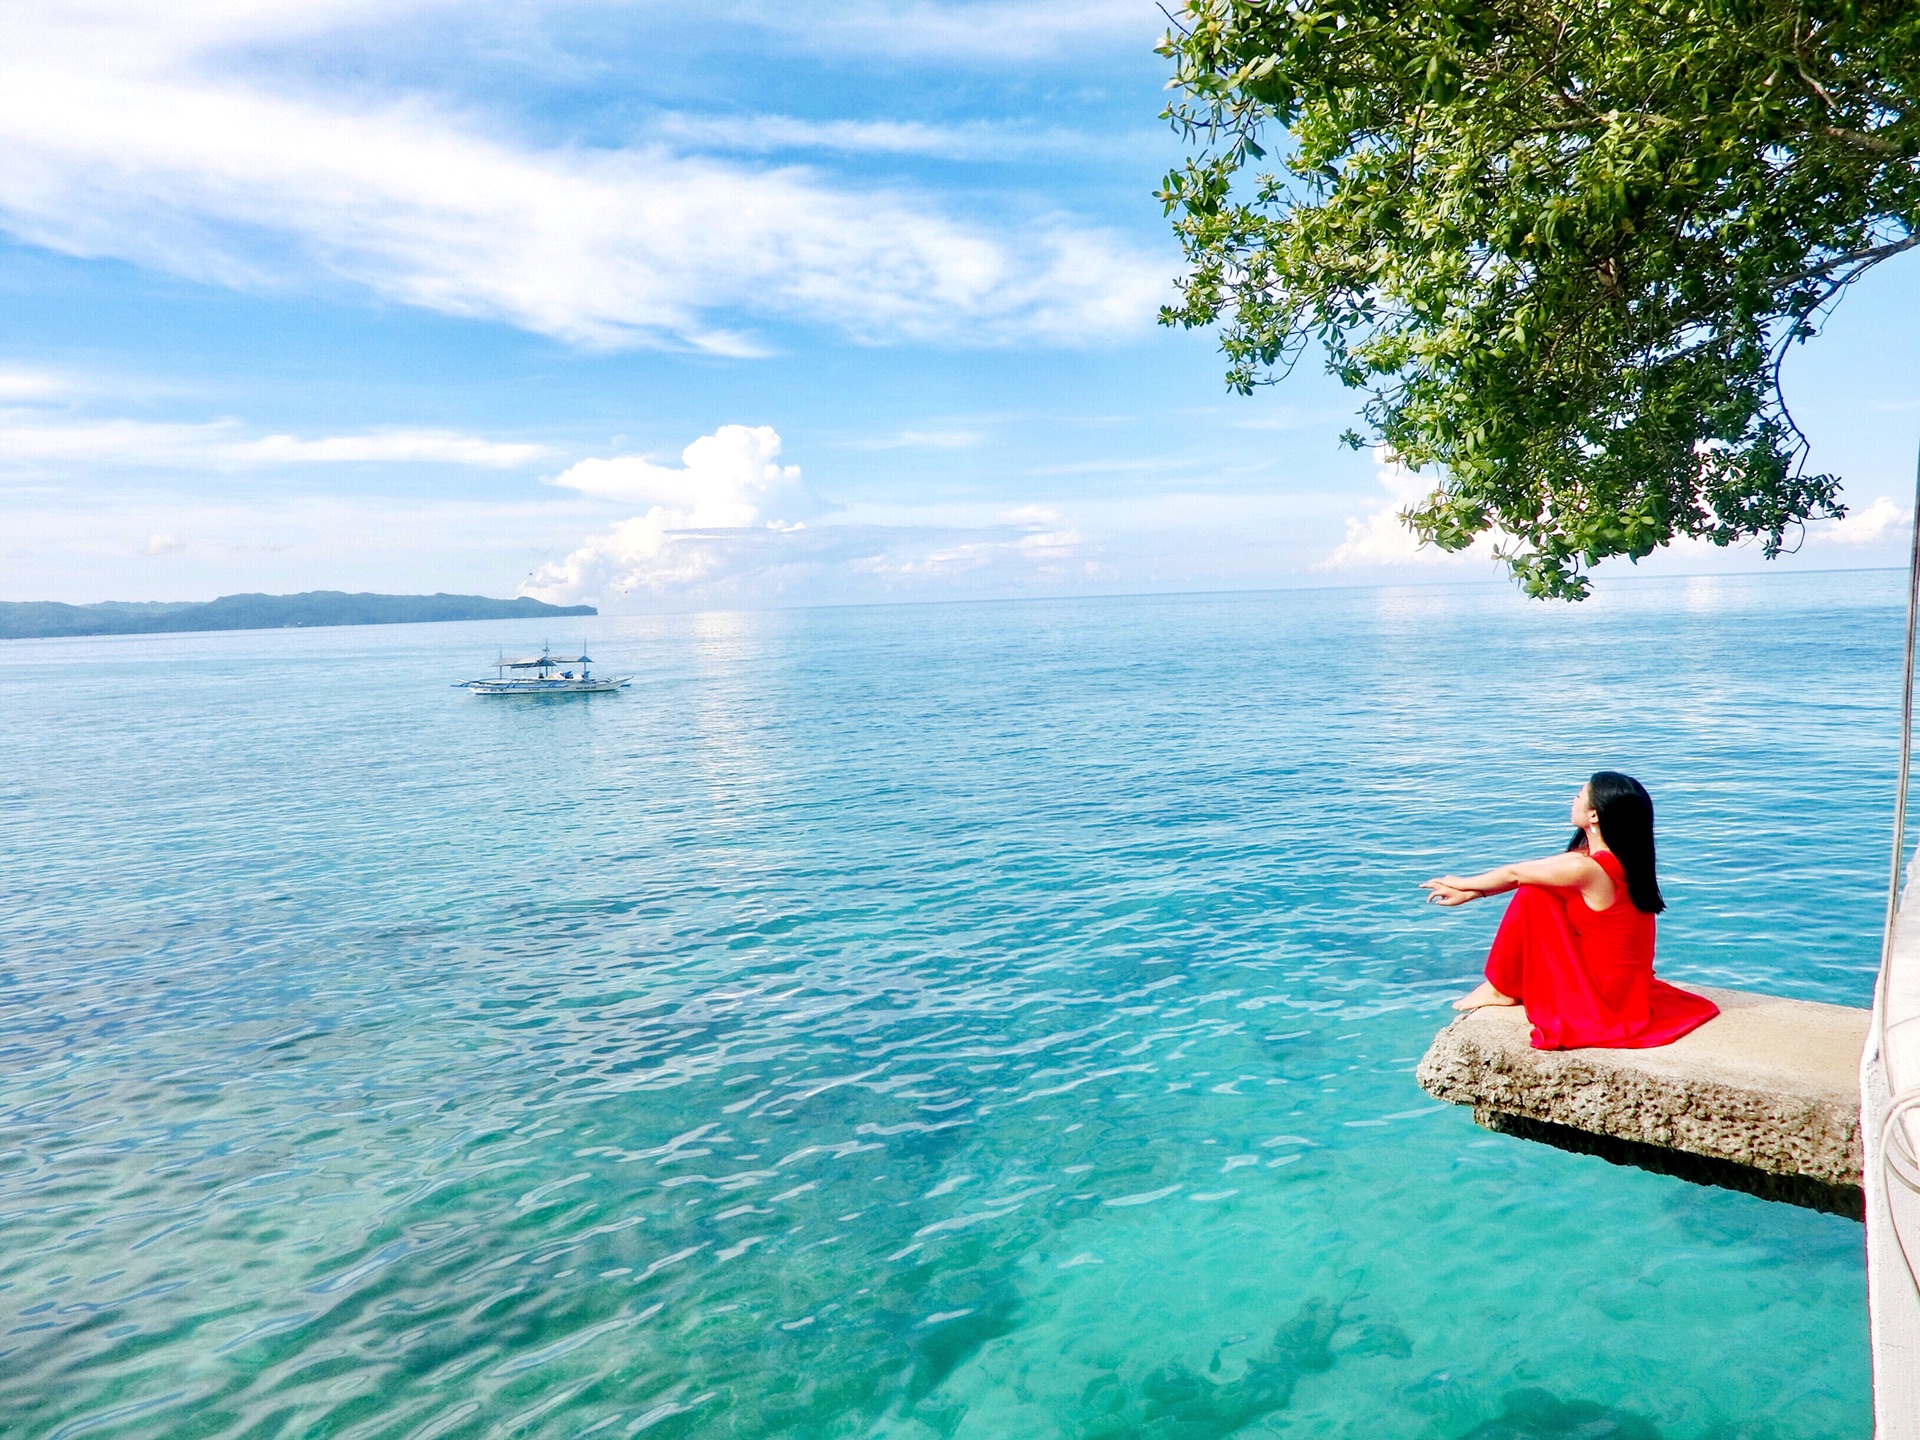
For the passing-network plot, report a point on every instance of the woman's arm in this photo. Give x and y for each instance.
(1571, 870)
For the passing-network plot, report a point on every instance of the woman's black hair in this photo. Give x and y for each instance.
(1626, 824)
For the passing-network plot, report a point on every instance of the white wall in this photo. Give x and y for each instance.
(1893, 1207)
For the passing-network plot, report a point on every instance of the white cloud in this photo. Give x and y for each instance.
(60, 545)
(1121, 465)
(1379, 537)
(920, 440)
(975, 31)
(970, 140)
(1878, 521)
(128, 134)
(699, 515)
(729, 478)
(1292, 417)
(730, 525)
(438, 447)
(160, 542)
(222, 443)
(19, 385)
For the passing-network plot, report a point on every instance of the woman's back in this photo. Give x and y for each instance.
(1621, 934)
(1616, 949)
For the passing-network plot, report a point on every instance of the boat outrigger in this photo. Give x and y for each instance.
(543, 674)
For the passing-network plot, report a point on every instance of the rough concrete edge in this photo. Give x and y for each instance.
(1818, 1139)
(1807, 1191)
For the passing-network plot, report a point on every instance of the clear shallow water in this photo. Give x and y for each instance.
(976, 1021)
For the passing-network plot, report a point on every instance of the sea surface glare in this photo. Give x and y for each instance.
(983, 1021)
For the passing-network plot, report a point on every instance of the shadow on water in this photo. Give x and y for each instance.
(1174, 1402)
(1538, 1415)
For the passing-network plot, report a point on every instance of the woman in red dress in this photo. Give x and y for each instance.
(1576, 944)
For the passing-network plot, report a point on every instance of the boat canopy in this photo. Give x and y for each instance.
(536, 661)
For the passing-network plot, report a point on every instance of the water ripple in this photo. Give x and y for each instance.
(971, 1021)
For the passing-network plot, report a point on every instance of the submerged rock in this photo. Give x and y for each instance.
(1538, 1415)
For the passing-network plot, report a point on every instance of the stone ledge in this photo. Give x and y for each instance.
(1770, 1086)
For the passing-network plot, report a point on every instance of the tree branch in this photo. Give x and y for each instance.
(1863, 258)
(1859, 139)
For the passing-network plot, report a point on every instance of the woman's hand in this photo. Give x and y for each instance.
(1449, 890)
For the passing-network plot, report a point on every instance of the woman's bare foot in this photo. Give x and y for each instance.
(1482, 996)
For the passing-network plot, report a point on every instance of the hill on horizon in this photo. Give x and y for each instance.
(44, 619)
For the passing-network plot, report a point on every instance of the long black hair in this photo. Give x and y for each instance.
(1626, 824)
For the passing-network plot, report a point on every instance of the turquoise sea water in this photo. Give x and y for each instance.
(974, 1021)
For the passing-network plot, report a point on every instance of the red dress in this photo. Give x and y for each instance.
(1586, 975)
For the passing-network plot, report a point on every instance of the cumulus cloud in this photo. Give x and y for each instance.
(1866, 525)
(160, 542)
(729, 478)
(712, 512)
(131, 132)
(731, 523)
(1379, 537)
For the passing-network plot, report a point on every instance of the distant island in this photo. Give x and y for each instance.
(39, 619)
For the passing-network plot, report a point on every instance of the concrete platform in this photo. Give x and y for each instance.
(1765, 1098)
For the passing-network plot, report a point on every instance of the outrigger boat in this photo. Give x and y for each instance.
(544, 674)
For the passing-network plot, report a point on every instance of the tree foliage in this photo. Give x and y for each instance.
(1563, 247)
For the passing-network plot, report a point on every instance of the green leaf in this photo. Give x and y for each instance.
(1559, 250)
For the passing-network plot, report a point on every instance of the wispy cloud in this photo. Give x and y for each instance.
(129, 133)
(35, 437)
(65, 546)
(21, 385)
(919, 440)
(973, 31)
(1292, 417)
(975, 140)
(432, 447)
(1118, 465)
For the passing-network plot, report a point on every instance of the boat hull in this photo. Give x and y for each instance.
(548, 687)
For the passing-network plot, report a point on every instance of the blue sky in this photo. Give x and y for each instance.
(771, 304)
